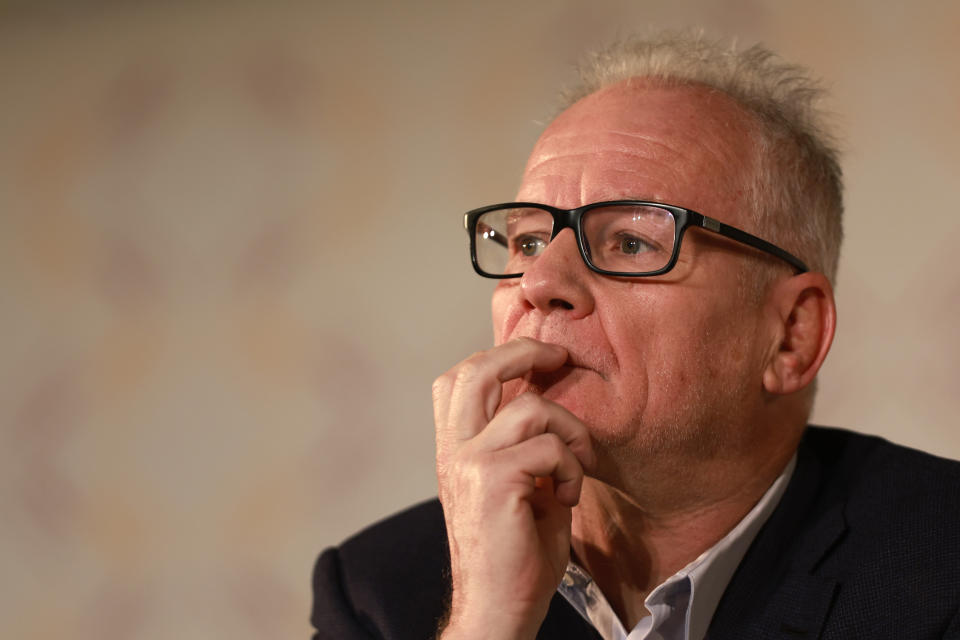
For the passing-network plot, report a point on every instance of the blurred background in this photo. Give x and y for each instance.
(232, 262)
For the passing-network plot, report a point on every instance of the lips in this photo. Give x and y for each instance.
(579, 359)
(540, 381)
(579, 368)
(575, 361)
(587, 349)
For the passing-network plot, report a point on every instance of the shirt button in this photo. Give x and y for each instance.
(567, 580)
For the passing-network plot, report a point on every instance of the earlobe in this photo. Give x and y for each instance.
(806, 318)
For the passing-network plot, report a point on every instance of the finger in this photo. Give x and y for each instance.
(510, 360)
(546, 456)
(530, 415)
(474, 387)
(522, 355)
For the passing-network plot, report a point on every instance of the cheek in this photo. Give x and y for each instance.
(664, 351)
(506, 308)
(716, 356)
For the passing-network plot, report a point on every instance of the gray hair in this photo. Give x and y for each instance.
(798, 190)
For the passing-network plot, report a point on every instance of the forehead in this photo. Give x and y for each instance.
(683, 145)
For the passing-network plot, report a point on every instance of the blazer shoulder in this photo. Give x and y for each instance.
(420, 525)
(410, 546)
(899, 555)
(864, 536)
(390, 580)
(869, 460)
(886, 488)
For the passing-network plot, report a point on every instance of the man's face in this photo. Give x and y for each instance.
(665, 364)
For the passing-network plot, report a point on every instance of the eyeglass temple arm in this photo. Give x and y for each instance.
(716, 226)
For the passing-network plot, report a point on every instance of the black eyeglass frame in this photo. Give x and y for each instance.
(570, 219)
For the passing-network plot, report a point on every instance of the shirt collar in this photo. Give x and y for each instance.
(712, 571)
(690, 596)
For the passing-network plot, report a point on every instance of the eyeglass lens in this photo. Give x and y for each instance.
(621, 238)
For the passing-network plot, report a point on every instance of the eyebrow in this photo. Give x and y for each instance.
(633, 195)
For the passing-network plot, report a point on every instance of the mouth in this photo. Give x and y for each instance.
(576, 361)
(540, 381)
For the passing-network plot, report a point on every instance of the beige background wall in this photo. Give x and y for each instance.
(232, 262)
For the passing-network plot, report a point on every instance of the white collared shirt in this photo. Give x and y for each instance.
(682, 606)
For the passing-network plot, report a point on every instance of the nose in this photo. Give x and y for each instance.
(558, 280)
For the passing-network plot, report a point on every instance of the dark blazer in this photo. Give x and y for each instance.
(865, 543)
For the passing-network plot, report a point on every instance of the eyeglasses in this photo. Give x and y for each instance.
(618, 238)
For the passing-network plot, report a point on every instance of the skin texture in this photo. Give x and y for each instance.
(634, 421)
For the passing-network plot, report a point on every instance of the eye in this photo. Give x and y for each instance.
(632, 245)
(530, 246)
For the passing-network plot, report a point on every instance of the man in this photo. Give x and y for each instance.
(632, 458)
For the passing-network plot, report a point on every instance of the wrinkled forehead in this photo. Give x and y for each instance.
(685, 145)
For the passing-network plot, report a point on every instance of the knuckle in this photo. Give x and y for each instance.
(445, 379)
(529, 400)
(533, 408)
(470, 369)
(525, 415)
(442, 384)
(553, 442)
(531, 414)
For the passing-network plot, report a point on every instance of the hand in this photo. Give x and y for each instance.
(507, 481)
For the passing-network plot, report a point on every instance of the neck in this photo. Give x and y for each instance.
(632, 542)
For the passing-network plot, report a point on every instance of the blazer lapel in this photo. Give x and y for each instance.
(784, 586)
(808, 598)
(805, 594)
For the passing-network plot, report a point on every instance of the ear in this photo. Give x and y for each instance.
(805, 317)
